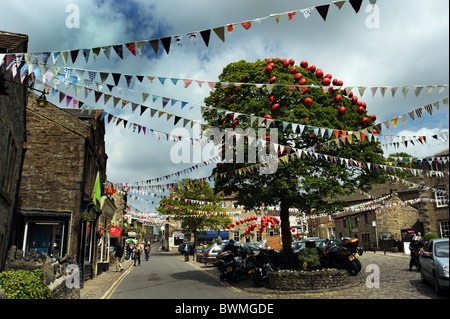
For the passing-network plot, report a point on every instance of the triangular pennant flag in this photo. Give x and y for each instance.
(64, 55)
(132, 47)
(74, 55)
(276, 17)
(247, 25)
(323, 11)
(356, 4)
(95, 53)
(166, 43)
(155, 45)
(374, 90)
(86, 53)
(107, 51)
(140, 46)
(339, 4)
(291, 15)
(430, 89)
(143, 109)
(394, 121)
(119, 50)
(417, 90)
(144, 96)
(405, 90)
(220, 32)
(205, 36)
(307, 12)
(429, 108)
(393, 90)
(419, 113)
(116, 77)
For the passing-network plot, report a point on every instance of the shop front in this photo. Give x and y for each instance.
(43, 232)
(103, 236)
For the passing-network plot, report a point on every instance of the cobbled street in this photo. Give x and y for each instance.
(395, 282)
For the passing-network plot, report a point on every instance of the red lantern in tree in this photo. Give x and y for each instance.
(268, 69)
(269, 61)
(354, 100)
(326, 81)
(360, 110)
(341, 110)
(272, 79)
(275, 107)
(268, 116)
(304, 64)
(373, 117)
(312, 68)
(298, 76)
(365, 121)
(319, 73)
(291, 61)
(302, 82)
(308, 102)
(293, 70)
(338, 98)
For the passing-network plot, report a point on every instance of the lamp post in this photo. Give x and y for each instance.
(41, 101)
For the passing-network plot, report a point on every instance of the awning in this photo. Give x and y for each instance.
(214, 234)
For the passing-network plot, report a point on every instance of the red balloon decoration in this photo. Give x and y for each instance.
(293, 70)
(308, 102)
(361, 110)
(365, 121)
(373, 117)
(326, 81)
(268, 69)
(341, 110)
(275, 107)
(268, 116)
(338, 98)
(298, 76)
(272, 79)
(304, 64)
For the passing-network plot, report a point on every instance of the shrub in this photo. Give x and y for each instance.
(22, 284)
(309, 259)
(429, 236)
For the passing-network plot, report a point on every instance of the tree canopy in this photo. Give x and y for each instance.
(194, 204)
(307, 183)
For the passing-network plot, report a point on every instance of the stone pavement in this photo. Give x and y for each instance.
(95, 288)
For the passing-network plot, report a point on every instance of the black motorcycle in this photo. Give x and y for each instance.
(414, 261)
(344, 256)
(230, 266)
(258, 266)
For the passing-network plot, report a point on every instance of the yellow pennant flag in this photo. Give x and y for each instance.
(394, 121)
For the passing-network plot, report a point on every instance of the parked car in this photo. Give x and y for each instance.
(210, 254)
(434, 265)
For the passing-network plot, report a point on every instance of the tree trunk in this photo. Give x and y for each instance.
(286, 235)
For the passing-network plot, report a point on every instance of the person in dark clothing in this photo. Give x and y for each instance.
(415, 247)
(119, 255)
(231, 247)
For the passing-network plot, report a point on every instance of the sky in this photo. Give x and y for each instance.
(396, 43)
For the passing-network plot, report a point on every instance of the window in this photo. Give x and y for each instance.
(441, 197)
(443, 226)
(8, 174)
(236, 236)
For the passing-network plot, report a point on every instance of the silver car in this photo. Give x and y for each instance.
(434, 264)
(210, 254)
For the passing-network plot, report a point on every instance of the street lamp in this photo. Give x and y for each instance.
(42, 101)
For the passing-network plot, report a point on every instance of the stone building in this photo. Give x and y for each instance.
(13, 102)
(426, 211)
(55, 214)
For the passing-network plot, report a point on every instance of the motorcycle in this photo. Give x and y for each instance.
(230, 266)
(259, 266)
(414, 261)
(344, 256)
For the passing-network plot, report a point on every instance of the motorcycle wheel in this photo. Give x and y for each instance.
(257, 278)
(353, 268)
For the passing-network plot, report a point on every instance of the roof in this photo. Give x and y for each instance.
(11, 41)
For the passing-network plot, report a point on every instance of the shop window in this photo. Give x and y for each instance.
(46, 237)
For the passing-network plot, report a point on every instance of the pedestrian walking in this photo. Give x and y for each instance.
(119, 255)
(186, 251)
(137, 253)
(129, 251)
(147, 251)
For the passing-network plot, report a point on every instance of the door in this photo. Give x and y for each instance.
(427, 263)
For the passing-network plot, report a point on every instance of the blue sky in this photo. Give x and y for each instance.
(409, 47)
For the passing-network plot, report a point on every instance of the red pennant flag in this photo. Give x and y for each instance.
(246, 25)
(132, 47)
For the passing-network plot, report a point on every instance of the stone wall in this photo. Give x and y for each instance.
(12, 132)
(55, 272)
(315, 280)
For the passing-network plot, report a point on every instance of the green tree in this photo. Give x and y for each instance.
(308, 182)
(400, 159)
(194, 204)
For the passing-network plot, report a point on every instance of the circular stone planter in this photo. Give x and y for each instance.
(311, 280)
